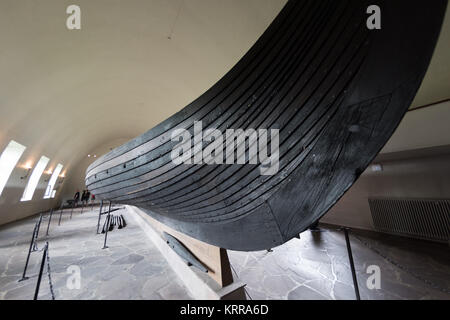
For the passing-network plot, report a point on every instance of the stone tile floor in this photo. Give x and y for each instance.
(317, 267)
(313, 267)
(131, 268)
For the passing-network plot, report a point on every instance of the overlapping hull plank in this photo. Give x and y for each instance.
(336, 91)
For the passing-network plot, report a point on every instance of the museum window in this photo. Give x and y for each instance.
(51, 184)
(8, 161)
(34, 179)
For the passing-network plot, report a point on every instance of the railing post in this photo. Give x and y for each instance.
(352, 265)
(35, 247)
(99, 216)
(73, 206)
(49, 221)
(60, 214)
(39, 225)
(41, 269)
(107, 225)
(24, 277)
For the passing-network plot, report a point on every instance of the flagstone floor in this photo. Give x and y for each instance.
(316, 266)
(130, 268)
(313, 267)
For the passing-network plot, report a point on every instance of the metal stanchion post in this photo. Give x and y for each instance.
(35, 247)
(352, 265)
(107, 225)
(39, 225)
(49, 221)
(99, 216)
(41, 269)
(73, 206)
(60, 214)
(24, 277)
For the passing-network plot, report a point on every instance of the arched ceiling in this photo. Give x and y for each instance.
(65, 93)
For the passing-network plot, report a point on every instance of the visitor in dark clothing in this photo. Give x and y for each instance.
(76, 197)
(87, 195)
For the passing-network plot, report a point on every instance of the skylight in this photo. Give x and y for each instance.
(34, 179)
(8, 161)
(51, 183)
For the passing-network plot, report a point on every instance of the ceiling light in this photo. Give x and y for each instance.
(377, 167)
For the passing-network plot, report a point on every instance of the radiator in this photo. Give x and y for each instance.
(416, 218)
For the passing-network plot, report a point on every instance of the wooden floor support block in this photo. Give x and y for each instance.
(217, 284)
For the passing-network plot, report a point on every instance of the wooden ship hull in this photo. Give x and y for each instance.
(336, 91)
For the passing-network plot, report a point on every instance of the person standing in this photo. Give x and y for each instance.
(92, 199)
(76, 197)
(88, 196)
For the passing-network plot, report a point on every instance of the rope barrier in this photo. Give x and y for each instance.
(50, 283)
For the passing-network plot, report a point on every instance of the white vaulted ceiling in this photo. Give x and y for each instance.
(65, 93)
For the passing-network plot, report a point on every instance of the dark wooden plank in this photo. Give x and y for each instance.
(334, 89)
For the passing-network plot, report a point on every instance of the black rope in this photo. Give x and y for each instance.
(50, 283)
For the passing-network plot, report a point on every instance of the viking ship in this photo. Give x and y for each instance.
(336, 89)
